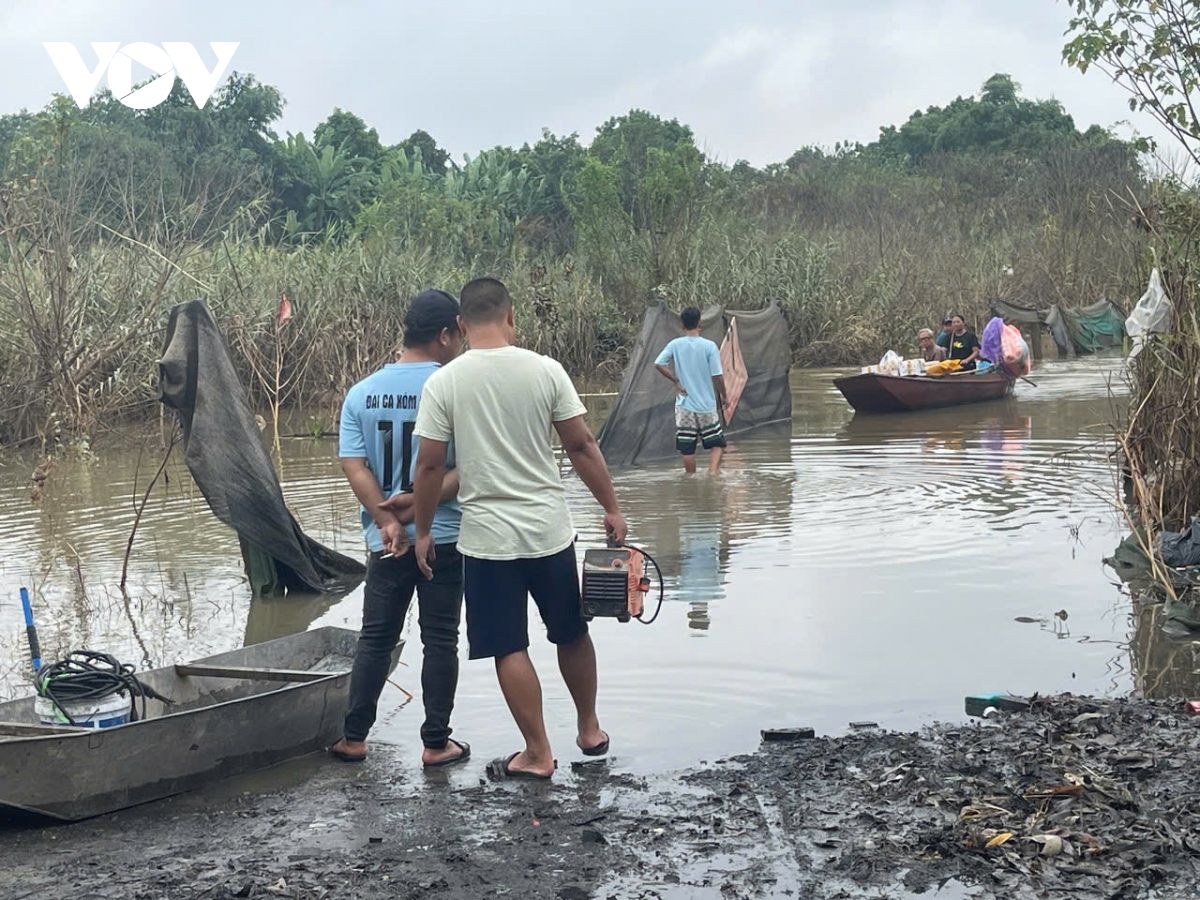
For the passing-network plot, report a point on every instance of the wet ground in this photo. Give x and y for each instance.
(848, 568)
(1075, 798)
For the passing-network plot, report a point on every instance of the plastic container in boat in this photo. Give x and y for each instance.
(107, 712)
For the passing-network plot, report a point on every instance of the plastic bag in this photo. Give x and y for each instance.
(989, 343)
(1152, 315)
(1014, 352)
(1181, 548)
(892, 363)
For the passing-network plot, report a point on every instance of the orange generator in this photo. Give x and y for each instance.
(615, 583)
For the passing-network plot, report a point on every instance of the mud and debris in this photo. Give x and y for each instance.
(1075, 797)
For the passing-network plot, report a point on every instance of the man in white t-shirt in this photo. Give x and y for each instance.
(499, 404)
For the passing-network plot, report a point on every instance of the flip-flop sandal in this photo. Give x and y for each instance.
(347, 757)
(454, 760)
(498, 768)
(599, 750)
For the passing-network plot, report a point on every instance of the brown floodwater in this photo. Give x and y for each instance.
(846, 568)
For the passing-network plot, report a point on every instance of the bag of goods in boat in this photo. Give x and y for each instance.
(891, 364)
(914, 367)
(990, 342)
(945, 367)
(1014, 352)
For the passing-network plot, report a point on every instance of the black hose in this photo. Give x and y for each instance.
(661, 589)
(88, 675)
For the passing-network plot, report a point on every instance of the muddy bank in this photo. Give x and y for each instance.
(1077, 797)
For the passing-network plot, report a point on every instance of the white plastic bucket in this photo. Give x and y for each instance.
(106, 712)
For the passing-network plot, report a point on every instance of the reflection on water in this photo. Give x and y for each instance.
(694, 543)
(846, 567)
(274, 617)
(1164, 666)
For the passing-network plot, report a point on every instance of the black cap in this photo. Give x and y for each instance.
(947, 320)
(431, 311)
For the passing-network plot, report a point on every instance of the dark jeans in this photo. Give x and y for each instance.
(388, 592)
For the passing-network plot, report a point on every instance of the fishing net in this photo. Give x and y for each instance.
(224, 452)
(1083, 329)
(641, 426)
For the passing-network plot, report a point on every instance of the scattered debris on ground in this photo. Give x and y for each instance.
(1075, 797)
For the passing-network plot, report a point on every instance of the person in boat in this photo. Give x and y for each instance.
(930, 349)
(943, 338)
(693, 364)
(964, 346)
(499, 404)
(377, 448)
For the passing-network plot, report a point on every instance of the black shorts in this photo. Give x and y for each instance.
(496, 592)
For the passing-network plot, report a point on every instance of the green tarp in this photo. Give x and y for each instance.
(1095, 327)
(1081, 329)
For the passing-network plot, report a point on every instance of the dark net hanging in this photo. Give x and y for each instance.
(224, 452)
(641, 426)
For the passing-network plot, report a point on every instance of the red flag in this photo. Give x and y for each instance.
(285, 311)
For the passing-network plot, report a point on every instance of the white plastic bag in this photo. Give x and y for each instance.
(1152, 315)
(892, 363)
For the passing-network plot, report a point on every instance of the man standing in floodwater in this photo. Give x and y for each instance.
(377, 445)
(498, 404)
(700, 388)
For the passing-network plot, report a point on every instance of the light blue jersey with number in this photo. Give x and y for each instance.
(378, 418)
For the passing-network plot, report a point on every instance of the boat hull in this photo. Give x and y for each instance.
(217, 728)
(874, 393)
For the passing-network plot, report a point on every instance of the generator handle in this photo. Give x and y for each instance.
(613, 543)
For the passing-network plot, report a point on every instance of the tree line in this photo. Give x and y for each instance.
(110, 215)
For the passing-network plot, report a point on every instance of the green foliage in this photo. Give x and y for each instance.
(657, 162)
(1149, 48)
(999, 122)
(109, 215)
(322, 188)
(421, 145)
(350, 136)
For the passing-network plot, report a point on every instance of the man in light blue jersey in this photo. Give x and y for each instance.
(700, 387)
(377, 447)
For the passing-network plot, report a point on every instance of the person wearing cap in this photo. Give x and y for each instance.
(931, 350)
(944, 338)
(500, 404)
(378, 447)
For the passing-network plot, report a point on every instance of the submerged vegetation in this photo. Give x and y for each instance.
(109, 216)
(1148, 47)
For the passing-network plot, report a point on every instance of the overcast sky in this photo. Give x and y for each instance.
(755, 79)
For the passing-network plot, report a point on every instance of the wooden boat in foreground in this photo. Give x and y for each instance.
(231, 713)
(874, 393)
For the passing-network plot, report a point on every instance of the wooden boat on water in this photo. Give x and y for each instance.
(874, 393)
(231, 713)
